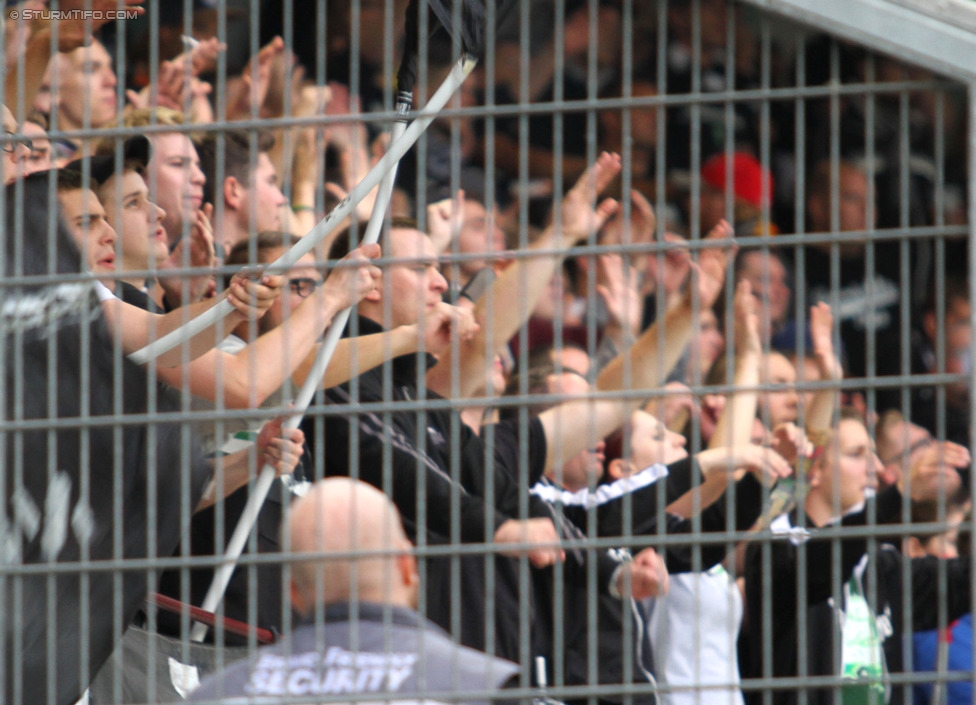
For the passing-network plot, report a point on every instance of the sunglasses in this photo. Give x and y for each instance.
(11, 141)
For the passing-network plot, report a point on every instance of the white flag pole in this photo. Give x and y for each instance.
(398, 147)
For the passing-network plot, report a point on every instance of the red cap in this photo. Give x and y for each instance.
(747, 176)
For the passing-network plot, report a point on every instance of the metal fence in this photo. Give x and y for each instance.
(837, 140)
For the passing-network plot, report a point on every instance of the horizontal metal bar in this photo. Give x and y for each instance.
(594, 544)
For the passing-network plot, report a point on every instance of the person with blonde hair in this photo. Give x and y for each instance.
(841, 483)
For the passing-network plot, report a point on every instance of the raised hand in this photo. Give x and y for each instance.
(674, 408)
(709, 272)
(581, 214)
(306, 152)
(203, 252)
(766, 464)
(821, 332)
(253, 84)
(350, 133)
(446, 323)
(790, 441)
(202, 57)
(747, 338)
(935, 470)
(672, 275)
(177, 89)
(203, 256)
(539, 536)
(617, 286)
(642, 225)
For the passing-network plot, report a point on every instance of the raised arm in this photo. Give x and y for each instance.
(572, 426)
(734, 425)
(575, 425)
(514, 293)
(934, 472)
(201, 255)
(820, 415)
(617, 285)
(645, 366)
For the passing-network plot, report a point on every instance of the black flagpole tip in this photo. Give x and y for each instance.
(466, 21)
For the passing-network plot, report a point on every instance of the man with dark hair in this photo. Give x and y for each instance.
(248, 187)
(138, 222)
(67, 368)
(261, 586)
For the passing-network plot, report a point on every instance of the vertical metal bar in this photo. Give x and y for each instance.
(730, 115)
(7, 473)
(835, 226)
(118, 435)
(51, 472)
(660, 175)
(19, 451)
(695, 224)
(629, 647)
(970, 146)
(491, 43)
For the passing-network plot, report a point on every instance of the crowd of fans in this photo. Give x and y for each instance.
(612, 370)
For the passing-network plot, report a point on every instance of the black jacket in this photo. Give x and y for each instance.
(406, 450)
(450, 486)
(581, 628)
(627, 508)
(884, 585)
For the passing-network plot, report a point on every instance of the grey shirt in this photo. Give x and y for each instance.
(382, 649)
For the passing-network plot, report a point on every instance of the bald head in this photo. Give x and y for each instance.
(342, 516)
